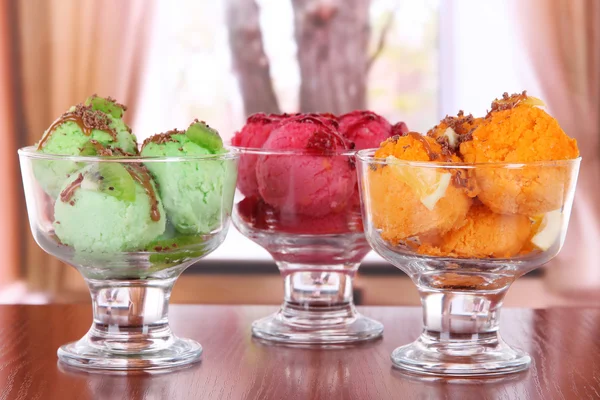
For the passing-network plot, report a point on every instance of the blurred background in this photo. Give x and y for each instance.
(221, 60)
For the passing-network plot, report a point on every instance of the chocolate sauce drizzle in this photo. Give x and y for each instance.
(433, 156)
(67, 194)
(138, 172)
(86, 118)
(141, 175)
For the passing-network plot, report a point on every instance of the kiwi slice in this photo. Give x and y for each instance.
(88, 149)
(177, 242)
(204, 136)
(176, 250)
(114, 180)
(105, 105)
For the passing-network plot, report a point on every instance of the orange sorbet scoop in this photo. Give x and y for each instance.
(517, 131)
(408, 200)
(483, 234)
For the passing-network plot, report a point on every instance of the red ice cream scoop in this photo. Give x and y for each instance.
(365, 129)
(315, 179)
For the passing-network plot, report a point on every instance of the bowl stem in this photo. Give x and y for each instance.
(318, 308)
(130, 329)
(460, 334)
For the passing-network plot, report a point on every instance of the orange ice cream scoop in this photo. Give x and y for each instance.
(483, 234)
(454, 130)
(414, 147)
(407, 200)
(517, 131)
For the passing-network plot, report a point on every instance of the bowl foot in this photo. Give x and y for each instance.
(317, 327)
(430, 356)
(82, 354)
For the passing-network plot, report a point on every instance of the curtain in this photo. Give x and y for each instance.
(11, 225)
(67, 50)
(562, 38)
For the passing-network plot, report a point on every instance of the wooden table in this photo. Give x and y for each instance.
(564, 343)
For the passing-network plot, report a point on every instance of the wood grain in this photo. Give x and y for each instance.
(563, 342)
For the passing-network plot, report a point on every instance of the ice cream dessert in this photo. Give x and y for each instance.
(254, 134)
(482, 234)
(297, 181)
(97, 119)
(517, 130)
(365, 129)
(315, 182)
(479, 207)
(453, 130)
(414, 201)
(261, 215)
(109, 207)
(192, 191)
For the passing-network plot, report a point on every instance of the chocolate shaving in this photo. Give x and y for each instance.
(162, 138)
(465, 138)
(456, 123)
(507, 102)
(447, 150)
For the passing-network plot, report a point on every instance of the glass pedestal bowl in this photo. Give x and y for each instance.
(464, 233)
(307, 216)
(106, 217)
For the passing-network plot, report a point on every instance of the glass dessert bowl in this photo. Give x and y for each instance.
(130, 233)
(464, 233)
(298, 198)
(318, 249)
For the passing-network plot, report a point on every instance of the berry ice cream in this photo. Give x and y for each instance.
(366, 129)
(313, 182)
(253, 135)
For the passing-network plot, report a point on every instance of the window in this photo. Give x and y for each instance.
(429, 58)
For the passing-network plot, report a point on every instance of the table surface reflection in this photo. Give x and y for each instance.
(564, 343)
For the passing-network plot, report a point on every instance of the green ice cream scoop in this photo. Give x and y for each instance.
(109, 207)
(197, 194)
(82, 130)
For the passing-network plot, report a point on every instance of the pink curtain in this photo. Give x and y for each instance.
(69, 49)
(563, 42)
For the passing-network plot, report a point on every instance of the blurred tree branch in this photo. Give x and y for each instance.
(382, 38)
(250, 62)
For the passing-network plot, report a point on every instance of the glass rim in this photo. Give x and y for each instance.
(292, 152)
(367, 156)
(32, 153)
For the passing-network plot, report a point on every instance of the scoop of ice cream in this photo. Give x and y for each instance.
(196, 194)
(315, 181)
(253, 135)
(407, 200)
(517, 131)
(109, 207)
(259, 215)
(482, 234)
(99, 120)
(365, 129)
(454, 130)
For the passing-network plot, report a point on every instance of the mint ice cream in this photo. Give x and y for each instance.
(109, 207)
(97, 121)
(195, 194)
